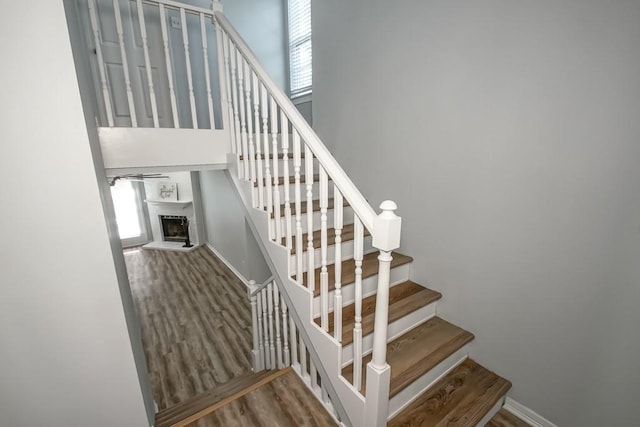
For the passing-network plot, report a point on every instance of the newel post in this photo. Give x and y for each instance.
(256, 358)
(386, 237)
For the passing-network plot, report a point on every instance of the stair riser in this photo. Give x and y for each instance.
(369, 287)
(416, 388)
(347, 219)
(346, 249)
(494, 410)
(395, 329)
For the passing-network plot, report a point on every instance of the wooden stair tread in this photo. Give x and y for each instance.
(207, 402)
(504, 418)
(461, 398)
(416, 352)
(292, 180)
(347, 235)
(404, 298)
(303, 207)
(369, 268)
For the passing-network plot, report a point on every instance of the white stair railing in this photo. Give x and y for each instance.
(277, 343)
(315, 174)
(191, 25)
(269, 140)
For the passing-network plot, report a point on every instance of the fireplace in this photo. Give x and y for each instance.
(173, 229)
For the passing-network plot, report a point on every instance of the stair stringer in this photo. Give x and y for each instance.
(325, 351)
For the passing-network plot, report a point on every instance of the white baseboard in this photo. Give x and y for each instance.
(526, 414)
(228, 264)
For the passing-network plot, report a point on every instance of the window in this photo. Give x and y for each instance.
(300, 47)
(127, 201)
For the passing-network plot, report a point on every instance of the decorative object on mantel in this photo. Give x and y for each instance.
(168, 191)
(135, 177)
(185, 226)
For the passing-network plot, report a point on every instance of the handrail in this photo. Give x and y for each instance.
(259, 287)
(340, 178)
(216, 6)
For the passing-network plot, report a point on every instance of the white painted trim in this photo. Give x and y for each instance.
(301, 99)
(157, 147)
(228, 264)
(526, 414)
(307, 382)
(494, 410)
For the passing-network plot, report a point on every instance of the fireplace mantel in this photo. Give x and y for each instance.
(179, 203)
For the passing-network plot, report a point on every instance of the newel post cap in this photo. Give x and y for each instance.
(386, 227)
(251, 287)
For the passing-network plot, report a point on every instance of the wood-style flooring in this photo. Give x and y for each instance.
(195, 318)
(504, 418)
(283, 402)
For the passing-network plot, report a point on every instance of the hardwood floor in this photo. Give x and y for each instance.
(195, 319)
(284, 402)
(504, 418)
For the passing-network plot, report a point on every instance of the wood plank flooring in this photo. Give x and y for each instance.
(284, 402)
(504, 418)
(195, 319)
(199, 406)
(460, 398)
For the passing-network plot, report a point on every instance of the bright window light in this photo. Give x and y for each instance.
(300, 47)
(125, 202)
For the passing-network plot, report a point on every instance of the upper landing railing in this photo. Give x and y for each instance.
(155, 63)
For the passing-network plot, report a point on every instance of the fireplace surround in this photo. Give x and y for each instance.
(173, 228)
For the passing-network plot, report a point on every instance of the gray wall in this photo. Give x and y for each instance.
(67, 357)
(508, 135)
(262, 25)
(226, 226)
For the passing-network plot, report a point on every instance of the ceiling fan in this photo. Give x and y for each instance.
(135, 177)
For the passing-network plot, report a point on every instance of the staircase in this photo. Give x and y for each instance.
(363, 336)
(375, 334)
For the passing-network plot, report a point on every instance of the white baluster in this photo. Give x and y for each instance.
(303, 360)
(167, 62)
(295, 363)
(324, 273)
(260, 314)
(276, 175)
(297, 163)
(285, 334)
(358, 250)
(272, 345)
(224, 83)
(308, 180)
(255, 352)
(276, 312)
(207, 74)
(95, 29)
(256, 119)
(243, 116)
(252, 152)
(147, 64)
(234, 96)
(265, 330)
(338, 221)
(269, 182)
(125, 63)
(187, 56)
(313, 374)
(285, 162)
